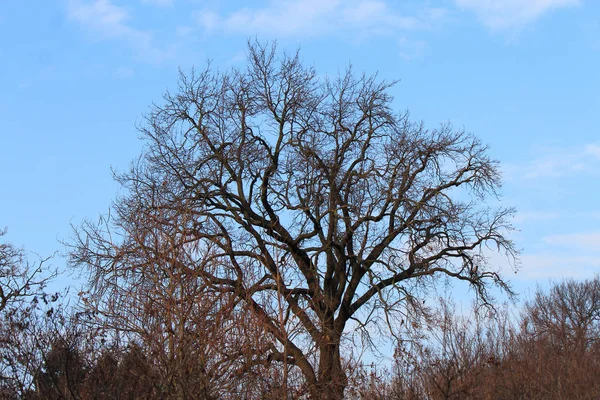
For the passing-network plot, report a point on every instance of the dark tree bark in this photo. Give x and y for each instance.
(309, 200)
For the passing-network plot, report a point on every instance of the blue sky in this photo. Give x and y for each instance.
(523, 75)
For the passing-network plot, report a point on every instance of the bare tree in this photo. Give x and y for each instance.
(458, 355)
(27, 334)
(22, 295)
(557, 354)
(198, 339)
(311, 195)
(20, 280)
(569, 315)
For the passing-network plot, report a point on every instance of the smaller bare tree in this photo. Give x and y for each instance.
(569, 315)
(22, 297)
(20, 280)
(201, 341)
(558, 352)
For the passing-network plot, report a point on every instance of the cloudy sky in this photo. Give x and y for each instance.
(76, 76)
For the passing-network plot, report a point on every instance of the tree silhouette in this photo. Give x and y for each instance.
(309, 200)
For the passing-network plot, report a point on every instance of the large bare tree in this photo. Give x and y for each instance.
(310, 201)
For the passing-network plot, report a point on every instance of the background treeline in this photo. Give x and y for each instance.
(164, 335)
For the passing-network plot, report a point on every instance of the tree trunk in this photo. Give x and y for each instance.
(332, 379)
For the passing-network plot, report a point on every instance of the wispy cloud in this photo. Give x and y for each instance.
(588, 215)
(551, 266)
(508, 14)
(593, 150)
(585, 241)
(304, 18)
(571, 255)
(535, 216)
(411, 49)
(111, 22)
(159, 3)
(557, 163)
(105, 18)
(124, 72)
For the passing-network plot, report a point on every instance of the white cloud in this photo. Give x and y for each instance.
(411, 49)
(183, 31)
(585, 241)
(110, 22)
(551, 266)
(281, 19)
(593, 150)
(124, 72)
(588, 215)
(209, 20)
(557, 162)
(104, 17)
(376, 14)
(159, 3)
(534, 216)
(506, 14)
(573, 255)
(316, 17)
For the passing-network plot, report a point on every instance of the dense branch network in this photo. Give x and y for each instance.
(305, 195)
